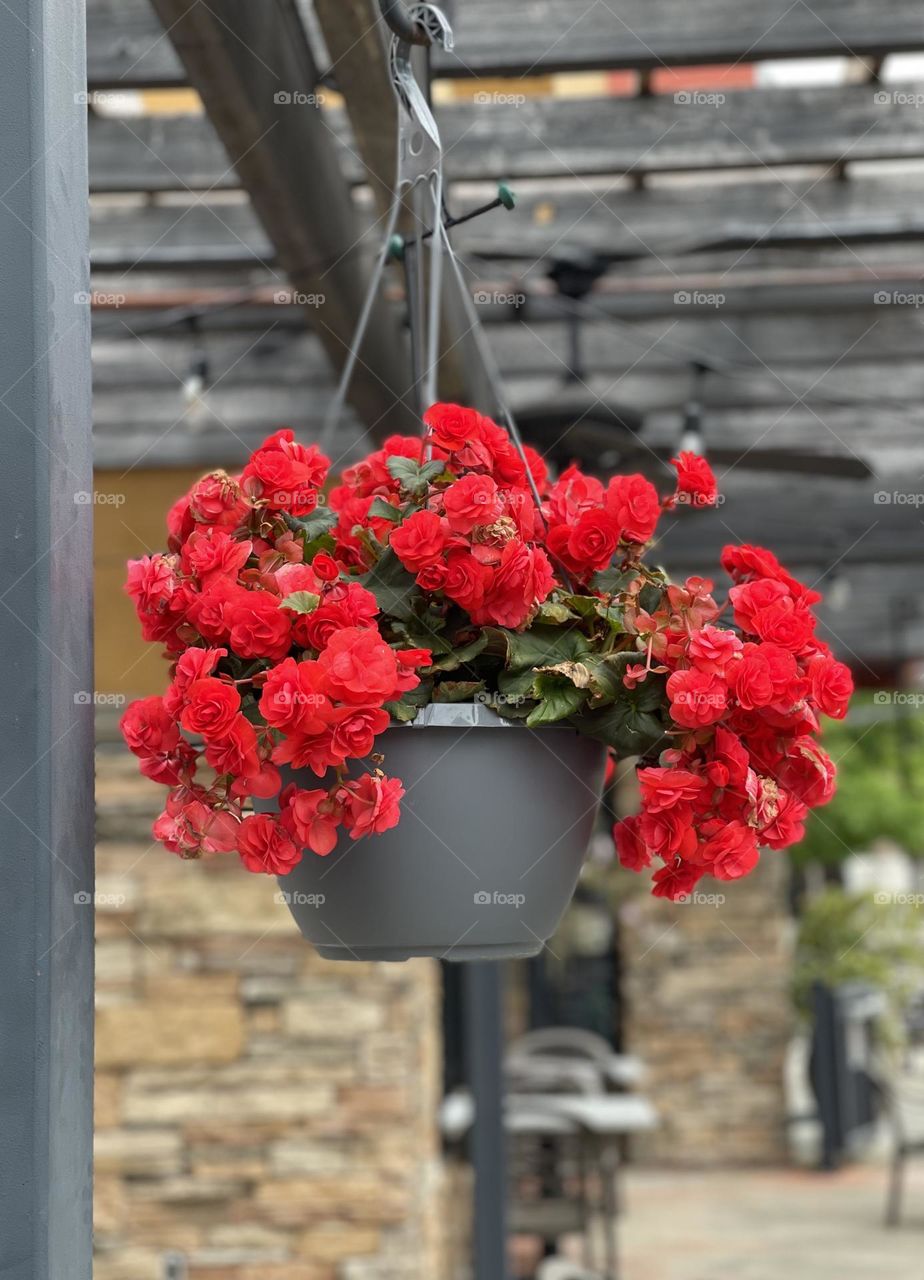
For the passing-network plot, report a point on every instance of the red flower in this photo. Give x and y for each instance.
(633, 503)
(467, 580)
(697, 698)
(676, 881)
(808, 772)
(732, 852)
(235, 753)
(420, 540)
(151, 582)
(355, 730)
(765, 675)
(786, 623)
(432, 577)
(696, 484)
(832, 686)
(286, 475)
(211, 707)
(753, 597)
(258, 627)
(292, 699)
(522, 580)
(359, 667)
(216, 499)
(326, 567)
(666, 788)
(592, 540)
(148, 729)
(471, 501)
(711, 649)
(630, 847)
(452, 426)
(573, 493)
(786, 824)
(211, 552)
(667, 832)
(265, 846)
(372, 805)
(311, 818)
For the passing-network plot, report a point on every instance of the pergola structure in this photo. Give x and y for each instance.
(767, 232)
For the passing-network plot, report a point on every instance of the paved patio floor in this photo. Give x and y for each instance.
(770, 1225)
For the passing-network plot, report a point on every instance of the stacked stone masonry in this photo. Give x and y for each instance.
(260, 1112)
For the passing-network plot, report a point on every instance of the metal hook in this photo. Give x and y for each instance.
(420, 152)
(404, 27)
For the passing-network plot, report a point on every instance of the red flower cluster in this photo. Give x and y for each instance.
(746, 768)
(278, 662)
(268, 598)
(481, 541)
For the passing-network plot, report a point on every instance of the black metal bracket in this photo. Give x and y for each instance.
(395, 14)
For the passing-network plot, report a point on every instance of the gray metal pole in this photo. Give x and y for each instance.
(46, 711)
(484, 1040)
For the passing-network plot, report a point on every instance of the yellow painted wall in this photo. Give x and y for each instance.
(129, 512)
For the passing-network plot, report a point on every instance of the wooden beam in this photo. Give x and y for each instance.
(250, 66)
(536, 37)
(560, 138)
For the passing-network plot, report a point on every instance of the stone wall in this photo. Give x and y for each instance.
(265, 1114)
(709, 1010)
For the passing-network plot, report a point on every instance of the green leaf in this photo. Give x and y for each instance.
(559, 698)
(458, 690)
(382, 510)
(406, 707)
(391, 584)
(650, 597)
(301, 602)
(625, 727)
(551, 611)
(413, 477)
(541, 646)
(517, 685)
(320, 521)
(613, 582)
(584, 606)
(323, 543)
(456, 658)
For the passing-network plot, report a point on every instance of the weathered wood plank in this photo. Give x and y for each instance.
(127, 47)
(694, 215)
(564, 138)
(749, 129)
(534, 37)
(661, 221)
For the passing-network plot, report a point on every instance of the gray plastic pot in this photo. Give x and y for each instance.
(494, 829)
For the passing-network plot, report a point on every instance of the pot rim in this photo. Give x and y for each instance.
(466, 715)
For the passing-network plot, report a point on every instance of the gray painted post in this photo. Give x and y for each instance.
(484, 1035)
(46, 711)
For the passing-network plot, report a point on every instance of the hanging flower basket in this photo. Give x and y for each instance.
(437, 653)
(495, 823)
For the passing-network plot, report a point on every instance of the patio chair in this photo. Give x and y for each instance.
(573, 1045)
(902, 1089)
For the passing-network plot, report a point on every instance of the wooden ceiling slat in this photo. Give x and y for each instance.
(562, 138)
(125, 44)
(128, 49)
(535, 37)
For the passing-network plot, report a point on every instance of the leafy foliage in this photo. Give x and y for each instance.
(879, 752)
